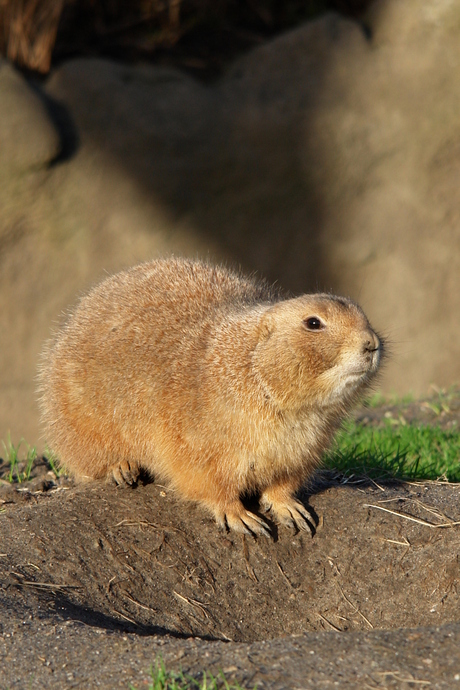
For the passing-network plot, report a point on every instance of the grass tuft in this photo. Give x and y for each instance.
(21, 459)
(16, 474)
(53, 463)
(404, 452)
(161, 679)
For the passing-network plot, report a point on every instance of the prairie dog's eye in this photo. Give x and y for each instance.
(313, 323)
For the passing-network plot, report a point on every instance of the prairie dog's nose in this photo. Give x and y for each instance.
(371, 342)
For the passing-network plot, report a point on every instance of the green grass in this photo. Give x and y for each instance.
(161, 679)
(401, 451)
(439, 400)
(53, 463)
(16, 474)
(377, 399)
(21, 459)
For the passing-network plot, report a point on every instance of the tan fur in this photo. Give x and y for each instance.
(208, 380)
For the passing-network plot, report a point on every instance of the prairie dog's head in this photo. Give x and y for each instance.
(315, 349)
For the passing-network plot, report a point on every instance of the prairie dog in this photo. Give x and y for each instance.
(208, 380)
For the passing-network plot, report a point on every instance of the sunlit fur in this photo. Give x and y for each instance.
(206, 379)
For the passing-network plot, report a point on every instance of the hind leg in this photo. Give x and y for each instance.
(126, 472)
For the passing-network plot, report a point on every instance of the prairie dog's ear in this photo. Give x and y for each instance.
(266, 326)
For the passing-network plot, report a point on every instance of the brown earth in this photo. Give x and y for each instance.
(97, 581)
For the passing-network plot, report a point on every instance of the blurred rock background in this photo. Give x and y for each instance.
(315, 143)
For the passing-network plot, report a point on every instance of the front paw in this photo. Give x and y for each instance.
(236, 518)
(291, 513)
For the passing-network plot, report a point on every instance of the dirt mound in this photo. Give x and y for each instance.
(142, 560)
(96, 582)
